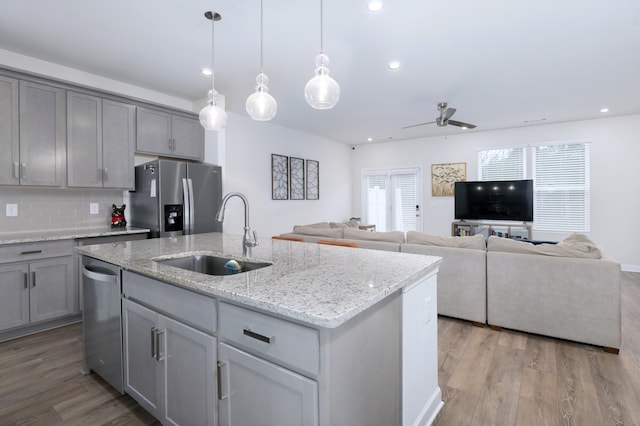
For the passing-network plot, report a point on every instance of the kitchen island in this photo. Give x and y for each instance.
(324, 335)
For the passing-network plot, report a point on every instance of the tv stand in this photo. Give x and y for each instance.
(466, 228)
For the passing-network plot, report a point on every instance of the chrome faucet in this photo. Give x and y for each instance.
(247, 241)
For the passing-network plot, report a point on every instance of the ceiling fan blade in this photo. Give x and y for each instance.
(461, 124)
(448, 113)
(416, 125)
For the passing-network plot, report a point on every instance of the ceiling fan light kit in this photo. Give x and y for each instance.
(212, 117)
(261, 106)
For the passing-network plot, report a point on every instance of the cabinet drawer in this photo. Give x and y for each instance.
(286, 343)
(39, 250)
(184, 305)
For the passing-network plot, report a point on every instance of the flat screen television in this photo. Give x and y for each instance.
(494, 200)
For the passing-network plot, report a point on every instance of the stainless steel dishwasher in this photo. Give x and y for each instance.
(101, 321)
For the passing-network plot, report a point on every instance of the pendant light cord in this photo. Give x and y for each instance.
(321, 34)
(261, 35)
(213, 19)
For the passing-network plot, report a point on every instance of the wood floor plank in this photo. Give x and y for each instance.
(540, 354)
(538, 398)
(474, 364)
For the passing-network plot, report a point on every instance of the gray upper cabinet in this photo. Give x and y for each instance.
(42, 134)
(169, 135)
(100, 139)
(118, 144)
(9, 142)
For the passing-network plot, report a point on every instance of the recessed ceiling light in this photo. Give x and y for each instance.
(375, 5)
(369, 139)
(206, 71)
(393, 65)
(604, 110)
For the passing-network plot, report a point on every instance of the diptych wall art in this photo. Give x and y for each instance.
(294, 178)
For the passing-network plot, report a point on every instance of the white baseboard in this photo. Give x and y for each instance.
(630, 268)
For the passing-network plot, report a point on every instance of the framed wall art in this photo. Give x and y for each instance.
(443, 176)
(296, 178)
(279, 177)
(313, 180)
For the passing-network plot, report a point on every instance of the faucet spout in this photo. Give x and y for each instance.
(247, 240)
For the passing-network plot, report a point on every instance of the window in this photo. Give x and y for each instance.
(561, 187)
(391, 199)
(502, 163)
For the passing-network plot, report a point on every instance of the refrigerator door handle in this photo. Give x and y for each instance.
(186, 196)
(192, 207)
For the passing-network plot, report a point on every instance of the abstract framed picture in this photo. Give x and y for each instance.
(313, 180)
(279, 177)
(443, 176)
(296, 178)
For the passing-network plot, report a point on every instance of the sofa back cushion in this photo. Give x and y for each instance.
(575, 245)
(322, 225)
(475, 242)
(318, 232)
(359, 234)
(348, 224)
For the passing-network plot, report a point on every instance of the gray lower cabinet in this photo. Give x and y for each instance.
(36, 291)
(42, 135)
(254, 391)
(9, 124)
(169, 367)
(169, 135)
(100, 141)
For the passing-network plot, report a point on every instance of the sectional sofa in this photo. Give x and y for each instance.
(567, 290)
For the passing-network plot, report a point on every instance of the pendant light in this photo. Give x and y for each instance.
(261, 106)
(322, 91)
(212, 117)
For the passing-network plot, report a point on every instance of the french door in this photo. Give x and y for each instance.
(391, 199)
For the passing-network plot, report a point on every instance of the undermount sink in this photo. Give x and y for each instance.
(212, 265)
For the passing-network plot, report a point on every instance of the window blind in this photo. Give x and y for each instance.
(561, 187)
(502, 163)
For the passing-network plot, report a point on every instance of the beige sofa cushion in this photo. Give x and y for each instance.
(348, 224)
(475, 242)
(322, 225)
(575, 245)
(359, 234)
(318, 232)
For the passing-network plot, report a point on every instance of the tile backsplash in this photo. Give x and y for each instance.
(56, 208)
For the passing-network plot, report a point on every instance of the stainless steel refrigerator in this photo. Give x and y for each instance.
(176, 197)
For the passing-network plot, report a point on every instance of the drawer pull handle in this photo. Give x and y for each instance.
(248, 332)
(31, 252)
(222, 375)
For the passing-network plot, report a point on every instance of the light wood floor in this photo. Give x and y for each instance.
(486, 377)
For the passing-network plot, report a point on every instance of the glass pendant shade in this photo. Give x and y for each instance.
(212, 117)
(322, 91)
(261, 106)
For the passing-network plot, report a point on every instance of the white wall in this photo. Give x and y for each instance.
(615, 198)
(248, 146)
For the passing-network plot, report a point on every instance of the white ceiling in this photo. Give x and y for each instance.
(499, 62)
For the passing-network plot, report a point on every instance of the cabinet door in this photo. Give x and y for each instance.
(118, 139)
(188, 137)
(9, 142)
(153, 132)
(42, 134)
(84, 140)
(189, 370)
(53, 288)
(254, 391)
(141, 373)
(14, 296)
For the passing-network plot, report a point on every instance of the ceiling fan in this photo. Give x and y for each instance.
(445, 118)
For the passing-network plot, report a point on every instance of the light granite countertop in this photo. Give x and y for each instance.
(320, 285)
(66, 234)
